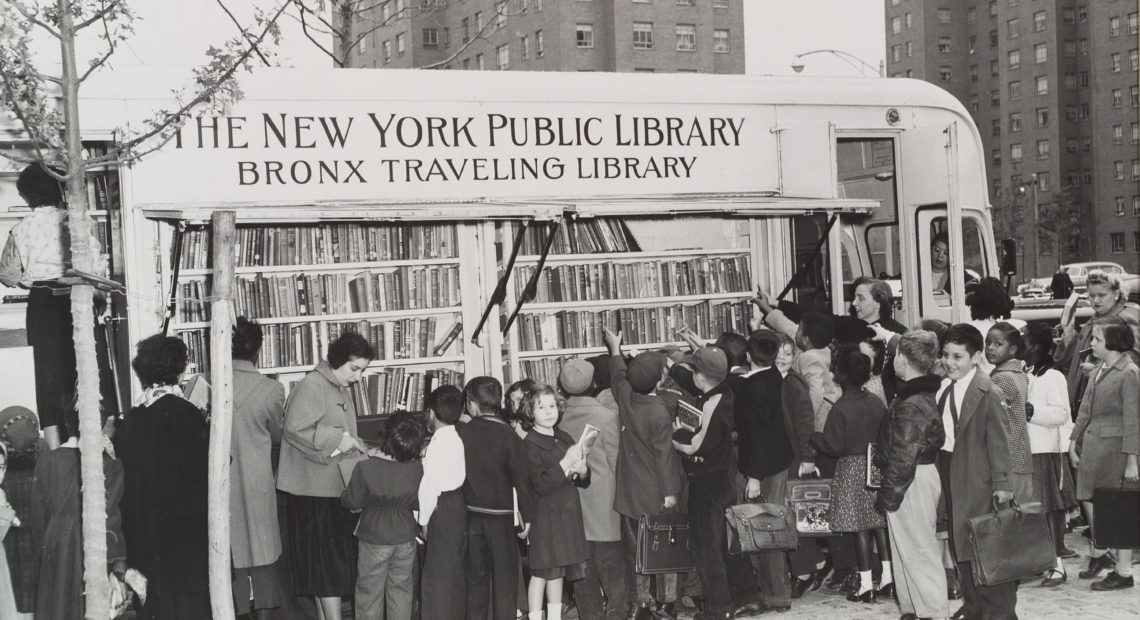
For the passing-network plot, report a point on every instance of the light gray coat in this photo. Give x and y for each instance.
(259, 411)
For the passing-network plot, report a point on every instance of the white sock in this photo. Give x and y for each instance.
(865, 583)
(554, 611)
(888, 576)
(535, 615)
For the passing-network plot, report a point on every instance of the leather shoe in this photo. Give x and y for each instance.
(765, 608)
(838, 577)
(801, 585)
(667, 611)
(953, 586)
(820, 574)
(866, 597)
(749, 609)
(851, 584)
(1053, 578)
(1067, 553)
(644, 612)
(1096, 565)
(961, 614)
(705, 615)
(1114, 581)
(887, 591)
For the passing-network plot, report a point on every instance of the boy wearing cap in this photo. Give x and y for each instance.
(648, 473)
(709, 466)
(607, 569)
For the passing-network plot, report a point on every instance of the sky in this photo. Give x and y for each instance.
(775, 31)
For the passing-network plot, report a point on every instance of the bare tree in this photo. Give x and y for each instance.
(1060, 220)
(47, 108)
(348, 23)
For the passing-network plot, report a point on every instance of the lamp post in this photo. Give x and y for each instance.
(1036, 232)
(847, 57)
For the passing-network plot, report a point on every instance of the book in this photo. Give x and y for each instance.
(588, 439)
(689, 415)
(873, 476)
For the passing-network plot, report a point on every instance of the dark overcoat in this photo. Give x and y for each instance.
(557, 534)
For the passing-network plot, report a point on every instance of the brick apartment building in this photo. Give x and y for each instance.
(664, 36)
(1053, 88)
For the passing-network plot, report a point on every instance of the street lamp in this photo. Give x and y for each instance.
(847, 57)
(1036, 232)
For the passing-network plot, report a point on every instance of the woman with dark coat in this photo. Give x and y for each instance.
(163, 445)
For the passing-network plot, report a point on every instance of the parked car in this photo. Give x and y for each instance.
(1079, 272)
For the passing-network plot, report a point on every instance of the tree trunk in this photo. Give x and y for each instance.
(95, 581)
(221, 412)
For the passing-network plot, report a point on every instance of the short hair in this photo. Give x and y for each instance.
(38, 187)
(402, 437)
(246, 340)
(942, 237)
(1103, 278)
(852, 365)
(818, 329)
(989, 300)
(880, 292)
(530, 401)
(786, 340)
(487, 393)
(735, 348)
(1118, 335)
(920, 349)
(446, 402)
(965, 335)
(522, 385)
(160, 360)
(348, 346)
(1011, 334)
(935, 326)
(763, 347)
(1039, 335)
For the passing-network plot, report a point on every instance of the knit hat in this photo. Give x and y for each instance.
(19, 430)
(576, 376)
(709, 361)
(644, 371)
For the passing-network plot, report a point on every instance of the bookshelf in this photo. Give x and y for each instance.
(401, 284)
(645, 277)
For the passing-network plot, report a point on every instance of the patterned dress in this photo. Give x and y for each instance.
(851, 426)
(1010, 377)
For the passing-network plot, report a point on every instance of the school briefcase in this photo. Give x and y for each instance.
(1010, 543)
(663, 544)
(810, 501)
(760, 526)
(1116, 525)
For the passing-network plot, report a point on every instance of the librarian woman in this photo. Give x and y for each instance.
(35, 257)
(319, 448)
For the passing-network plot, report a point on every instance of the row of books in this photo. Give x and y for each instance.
(572, 329)
(283, 345)
(404, 288)
(588, 236)
(542, 370)
(103, 190)
(394, 389)
(651, 278)
(325, 244)
(404, 338)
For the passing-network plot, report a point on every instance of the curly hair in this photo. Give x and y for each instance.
(989, 300)
(402, 437)
(530, 401)
(160, 360)
(348, 346)
(447, 403)
(851, 366)
(1103, 278)
(38, 187)
(920, 349)
(525, 386)
(1039, 347)
(246, 341)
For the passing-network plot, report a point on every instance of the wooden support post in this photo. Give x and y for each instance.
(224, 234)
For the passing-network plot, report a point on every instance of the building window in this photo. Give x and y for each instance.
(1015, 153)
(1043, 181)
(584, 35)
(1119, 205)
(994, 68)
(995, 98)
(431, 37)
(972, 44)
(944, 16)
(896, 53)
(1134, 60)
(1082, 14)
(539, 44)
(1136, 206)
(1132, 23)
(1084, 111)
(1084, 79)
(385, 11)
(720, 4)
(642, 35)
(685, 2)
(362, 46)
(524, 42)
(944, 74)
(1039, 21)
(1014, 122)
(995, 127)
(1013, 28)
(1042, 149)
(1070, 81)
(1015, 89)
(1073, 178)
(1086, 176)
(996, 154)
(974, 106)
(1114, 27)
(1071, 113)
(1015, 59)
(1086, 145)
(1070, 145)
(993, 38)
(466, 64)
(1118, 134)
(909, 49)
(1117, 242)
(1042, 117)
(1068, 16)
(972, 15)
(944, 45)
(503, 57)
(1042, 84)
(1118, 170)
(1040, 53)
(500, 14)
(1114, 63)
(1117, 98)
(896, 25)
(1136, 242)
(1083, 47)
(465, 24)
(479, 64)
(387, 52)
(1069, 48)
(909, 20)
(720, 41)
(401, 44)
(686, 38)
(973, 73)
(1135, 133)
(1136, 169)
(993, 8)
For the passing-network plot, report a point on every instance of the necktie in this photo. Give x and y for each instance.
(949, 395)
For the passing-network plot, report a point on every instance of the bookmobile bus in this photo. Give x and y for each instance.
(398, 202)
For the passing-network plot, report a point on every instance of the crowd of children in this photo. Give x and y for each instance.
(502, 505)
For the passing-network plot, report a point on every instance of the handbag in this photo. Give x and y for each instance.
(1116, 525)
(760, 526)
(810, 501)
(663, 544)
(1010, 543)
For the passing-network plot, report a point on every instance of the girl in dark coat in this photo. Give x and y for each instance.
(557, 535)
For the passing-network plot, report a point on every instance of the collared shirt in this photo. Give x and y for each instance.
(38, 249)
(754, 371)
(444, 469)
(959, 397)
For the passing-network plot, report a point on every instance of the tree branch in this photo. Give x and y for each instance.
(100, 14)
(488, 26)
(226, 10)
(305, 29)
(32, 18)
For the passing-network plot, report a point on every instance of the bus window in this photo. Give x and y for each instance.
(811, 282)
(935, 273)
(866, 169)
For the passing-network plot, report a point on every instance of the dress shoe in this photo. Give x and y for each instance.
(820, 574)
(667, 611)
(1114, 581)
(749, 609)
(644, 612)
(1096, 565)
(887, 591)
(1067, 554)
(692, 604)
(1053, 578)
(961, 614)
(851, 584)
(953, 586)
(837, 578)
(800, 585)
(705, 615)
(866, 597)
(779, 609)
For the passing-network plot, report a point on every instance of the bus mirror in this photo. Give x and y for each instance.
(1008, 257)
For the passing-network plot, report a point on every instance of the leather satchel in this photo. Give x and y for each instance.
(663, 544)
(1010, 543)
(760, 526)
(1116, 525)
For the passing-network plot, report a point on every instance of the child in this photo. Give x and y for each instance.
(854, 423)
(557, 535)
(974, 463)
(513, 403)
(1049, 425)
(443, 514)
(386, 490)
(1003, 350)
(1106, 439)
